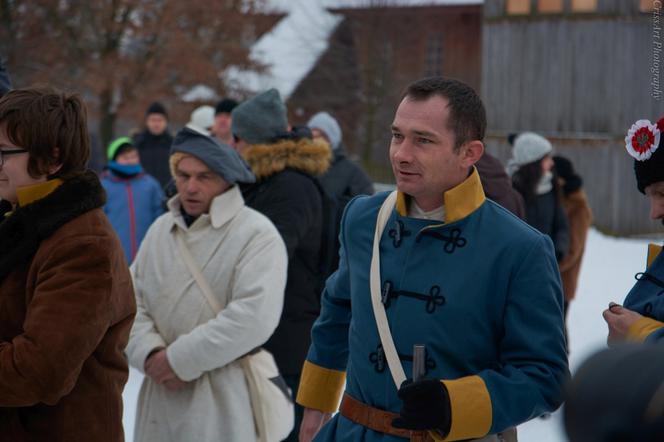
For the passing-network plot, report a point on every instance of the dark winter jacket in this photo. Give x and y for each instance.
(343, 181)
(66, 309)
(546, 214)
(5, 83)
(132, 204)
(155, 151)
(498, 185)
(286, 192)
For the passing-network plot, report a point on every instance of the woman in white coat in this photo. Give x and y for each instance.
(194, 389)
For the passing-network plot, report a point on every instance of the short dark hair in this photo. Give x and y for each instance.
(467, 114)
(42, 119)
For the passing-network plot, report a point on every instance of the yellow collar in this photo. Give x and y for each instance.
(460, 201)
(653, 251)
(29, 194)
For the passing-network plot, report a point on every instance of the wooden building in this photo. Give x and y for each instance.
(579, 72)
(373, 54)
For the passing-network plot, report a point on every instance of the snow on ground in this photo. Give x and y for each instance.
(607, 274)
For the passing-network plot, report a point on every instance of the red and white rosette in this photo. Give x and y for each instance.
(642, 139)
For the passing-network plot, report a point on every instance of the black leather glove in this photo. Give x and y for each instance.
(426, 406)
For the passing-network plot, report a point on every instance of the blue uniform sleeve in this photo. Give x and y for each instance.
(533, 360)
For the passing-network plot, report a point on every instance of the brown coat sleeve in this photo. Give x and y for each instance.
(69, 309)
(580, 218)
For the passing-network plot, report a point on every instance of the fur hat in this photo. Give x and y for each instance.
(156, 108)
(202, 119)
(528, 147)
(218, 157)
(261, 119)
(644, 143)
(225, 106)
(327, 124)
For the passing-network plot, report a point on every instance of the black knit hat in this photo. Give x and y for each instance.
(644, 143)
(156, 108)
(565, 170)
(225, 106)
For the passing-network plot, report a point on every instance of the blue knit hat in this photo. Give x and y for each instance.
(261, 119)
(219, 157)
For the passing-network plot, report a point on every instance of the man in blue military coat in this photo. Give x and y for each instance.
(459, 274)
(641, 317)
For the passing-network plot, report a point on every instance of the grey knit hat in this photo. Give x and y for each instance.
(528, 147)
(220, 158)
(261, 119)
(326, 123)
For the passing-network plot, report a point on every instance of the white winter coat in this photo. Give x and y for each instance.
(244, 260)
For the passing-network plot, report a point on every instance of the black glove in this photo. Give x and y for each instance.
(426, 406)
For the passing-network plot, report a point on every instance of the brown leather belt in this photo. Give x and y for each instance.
(377, 420)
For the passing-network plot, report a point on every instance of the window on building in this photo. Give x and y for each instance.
(434, 61)
(550, 6)
(584, 5)
(518, 7)
(647, 5)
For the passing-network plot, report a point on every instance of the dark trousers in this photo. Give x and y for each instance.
(293, 382)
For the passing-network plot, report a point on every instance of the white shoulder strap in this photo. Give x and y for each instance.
(396, 369)
(195, 271)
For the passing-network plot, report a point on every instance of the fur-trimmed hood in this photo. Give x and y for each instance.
(23, 231)
(310, 156)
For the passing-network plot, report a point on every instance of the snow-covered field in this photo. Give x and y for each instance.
(607, 274)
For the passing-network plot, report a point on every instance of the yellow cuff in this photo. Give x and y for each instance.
(471, 409)
(320, 388)
(642, 328)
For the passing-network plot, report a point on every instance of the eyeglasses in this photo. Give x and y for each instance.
(3, 153)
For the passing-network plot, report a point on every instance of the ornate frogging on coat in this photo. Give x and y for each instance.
(433, 299)
(377, 358)
(22, 232)
(452, 241)
(398, 232)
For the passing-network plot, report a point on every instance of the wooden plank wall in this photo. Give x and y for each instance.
(608, 175)
(581, 81)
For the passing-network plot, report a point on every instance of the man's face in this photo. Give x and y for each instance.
(128, 157)
(655, 193)
(156, 123)
(197, 185)
(222, 125)
(14, 169)
(422, 151)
